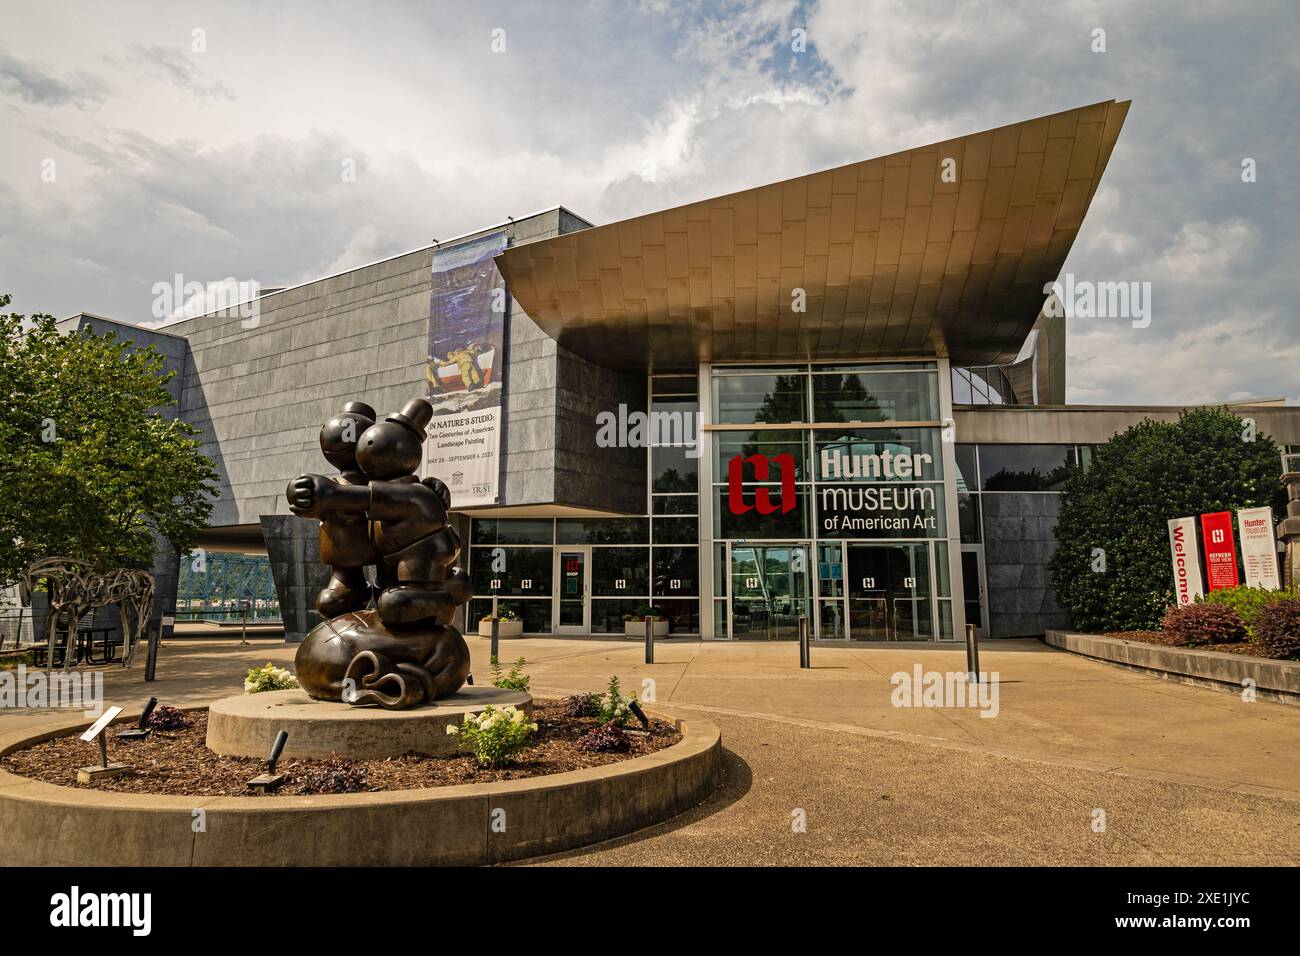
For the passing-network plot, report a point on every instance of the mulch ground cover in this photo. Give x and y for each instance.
(177, 762)
(1160, 637)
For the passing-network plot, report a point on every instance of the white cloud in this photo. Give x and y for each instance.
(227, 162)
(1204, 252)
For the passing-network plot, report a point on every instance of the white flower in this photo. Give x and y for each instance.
(452, 730)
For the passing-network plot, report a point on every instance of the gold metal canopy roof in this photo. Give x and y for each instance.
(893, 260)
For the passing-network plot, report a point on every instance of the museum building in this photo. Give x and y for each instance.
(839, 396)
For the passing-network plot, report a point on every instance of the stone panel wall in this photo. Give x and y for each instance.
(1019, 538)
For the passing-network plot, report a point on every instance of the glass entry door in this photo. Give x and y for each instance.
(972, 579)
(889, 592)
(769, 590)
(573, 590)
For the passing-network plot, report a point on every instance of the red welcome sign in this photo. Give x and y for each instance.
(1220, 550)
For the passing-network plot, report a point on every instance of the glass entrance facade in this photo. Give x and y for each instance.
(816, 491)
(769, 590)
(844, 467)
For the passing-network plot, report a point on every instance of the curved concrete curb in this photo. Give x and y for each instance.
(245, 725)
(1274, 680)
(42, 824)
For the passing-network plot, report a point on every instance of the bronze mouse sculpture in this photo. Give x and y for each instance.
(403, 651)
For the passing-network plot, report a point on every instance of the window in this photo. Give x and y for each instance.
(872, 455)
(602, 531)
(769, 398)
(1025, 467)
(873, 396)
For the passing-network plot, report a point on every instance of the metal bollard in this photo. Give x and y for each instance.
(649, 639)
(805, 649)
(972, 655)
(151, 652)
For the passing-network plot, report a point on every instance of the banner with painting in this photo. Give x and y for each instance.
(467, 314)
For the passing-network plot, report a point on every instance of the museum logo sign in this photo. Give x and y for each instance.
(882, 495)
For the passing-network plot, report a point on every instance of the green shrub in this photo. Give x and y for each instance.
(1194, 624)
(612, 707)
(1277, 628)
(513, 679)
(270, 677)
(1118, 509)
(495, 737)
(1247, 602)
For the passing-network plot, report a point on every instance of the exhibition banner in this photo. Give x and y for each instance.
(1187, 566)
(1258, 548)
(1220, 550)
(467, 315)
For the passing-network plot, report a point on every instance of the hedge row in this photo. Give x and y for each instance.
(1231, 615)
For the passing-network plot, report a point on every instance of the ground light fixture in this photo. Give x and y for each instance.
(640, 714)
(141, 729)
(271, 780)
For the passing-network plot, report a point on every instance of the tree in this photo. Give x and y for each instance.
(1209, 460)
(89, 467)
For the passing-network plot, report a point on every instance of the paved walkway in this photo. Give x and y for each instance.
(1183, 774)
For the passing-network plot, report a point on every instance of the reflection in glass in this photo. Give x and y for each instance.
(602, 531)
(873, 455)
(674, 470)
(676, 571)
(769, 591)
(876, 397)
(511, 530)
(676, 530)
(753, 524)
(519, 571)
(889, 592)
(620, 572)
(745, 399)
(1025, 467)
(768, 442)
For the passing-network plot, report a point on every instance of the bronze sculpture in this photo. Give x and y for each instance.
(392, 643)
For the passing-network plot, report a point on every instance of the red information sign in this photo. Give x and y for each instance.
(1220, 550)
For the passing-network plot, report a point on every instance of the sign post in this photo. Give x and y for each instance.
(1187, 564)
(1258, 548)
(95, 732)
(1220, 550)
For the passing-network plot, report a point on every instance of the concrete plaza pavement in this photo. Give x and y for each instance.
(1178, 774)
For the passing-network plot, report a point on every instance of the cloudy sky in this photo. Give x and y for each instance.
(141, 140)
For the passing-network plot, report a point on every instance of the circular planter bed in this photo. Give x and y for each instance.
(184, 805)
(179, 762)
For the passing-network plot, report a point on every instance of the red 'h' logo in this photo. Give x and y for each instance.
(762, 496)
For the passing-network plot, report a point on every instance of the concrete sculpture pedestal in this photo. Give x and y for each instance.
(245, 726)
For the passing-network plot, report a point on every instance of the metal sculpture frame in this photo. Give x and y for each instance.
(74, 586)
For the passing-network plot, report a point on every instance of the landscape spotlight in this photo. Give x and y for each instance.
(141, 729)
(271, 780)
